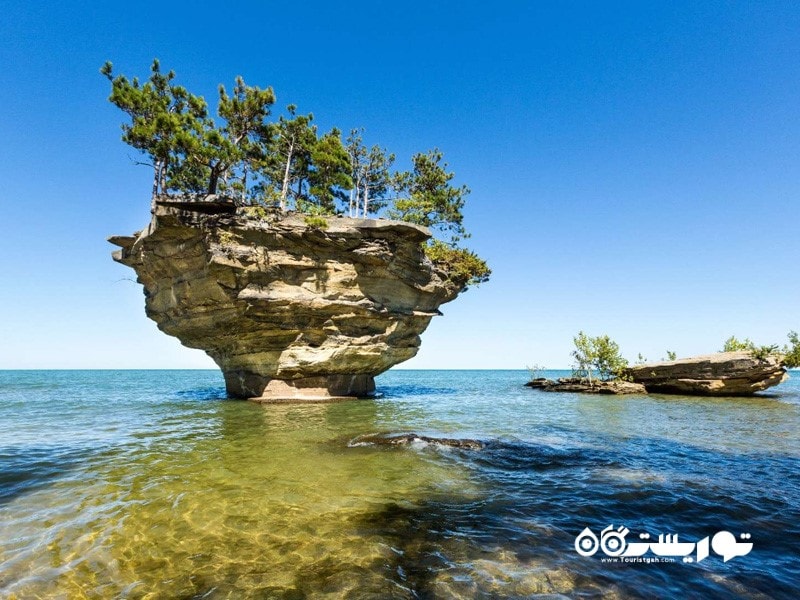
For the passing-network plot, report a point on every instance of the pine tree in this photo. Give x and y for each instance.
(329, 177)
(158, 111)
(428, 198)
(357, 154)
(377, 180)
(245, 113)
(289, 143)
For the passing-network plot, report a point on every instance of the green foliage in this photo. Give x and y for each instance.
(791, 352)
(583, 355)
(462, 266)
(599, 353)
(640, 360)
(288, 145)
(329, 177)
(734, 345)
(764, 352)
(160, 115)
(225, 237)
(428, 198)
(258, 212)
(316, 221)
(672, 355)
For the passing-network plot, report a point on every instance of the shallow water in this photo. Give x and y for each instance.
(147, 484)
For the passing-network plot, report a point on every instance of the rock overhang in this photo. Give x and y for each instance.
(283, 306)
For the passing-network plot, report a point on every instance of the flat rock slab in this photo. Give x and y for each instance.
(720, 374)
(583, 386)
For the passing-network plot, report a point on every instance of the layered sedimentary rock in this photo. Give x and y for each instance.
(721, 374)
(584, 386)
(287, 310)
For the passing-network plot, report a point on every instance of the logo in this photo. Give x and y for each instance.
(614, 545)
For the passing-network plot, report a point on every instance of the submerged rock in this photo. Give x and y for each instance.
(721, 374)
(584, 386)
(287, 310)
(408, 439)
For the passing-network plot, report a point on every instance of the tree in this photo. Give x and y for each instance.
(289, 143)
(159, 112)
(245, 113)
(463, 267)
(377, 181)
(357, 154)
(600, 353)
(329, 177)
(370, 174)
(428, 198)
(791, 353)
(584, 355)
(734, 345)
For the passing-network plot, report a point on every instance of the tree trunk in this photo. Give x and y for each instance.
(244, 184)
(156, 179)
(366, 201)
(352, 201)
(212, 181)
(163, 177)
(285, 186)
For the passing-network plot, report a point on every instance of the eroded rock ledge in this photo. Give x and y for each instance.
(584, 386)
(287, 311)
(721, 374)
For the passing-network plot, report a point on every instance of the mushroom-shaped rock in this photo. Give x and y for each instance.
(286, 309)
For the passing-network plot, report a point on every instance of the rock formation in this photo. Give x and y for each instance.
(410, 439)
(721, 374)
(287, 310)
(584, 386)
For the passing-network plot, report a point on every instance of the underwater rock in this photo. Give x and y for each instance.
(408, 439)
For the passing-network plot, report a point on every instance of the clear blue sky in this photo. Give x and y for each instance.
(634, 166)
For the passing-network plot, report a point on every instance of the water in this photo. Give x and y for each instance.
(147, 484)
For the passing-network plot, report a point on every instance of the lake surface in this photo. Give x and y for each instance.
(148, 484)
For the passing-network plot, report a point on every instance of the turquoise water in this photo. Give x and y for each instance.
(147, 484)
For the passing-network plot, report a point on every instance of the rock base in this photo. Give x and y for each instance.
(323, 388)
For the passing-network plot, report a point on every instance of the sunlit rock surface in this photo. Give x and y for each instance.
(286, 310)
(720, 374)
(585, 386)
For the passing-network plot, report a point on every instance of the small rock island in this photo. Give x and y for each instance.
(249, 255)
(287, 310)
(736, 373)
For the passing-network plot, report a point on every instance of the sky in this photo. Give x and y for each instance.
(634, 166)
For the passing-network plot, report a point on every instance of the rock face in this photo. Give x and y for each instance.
(287, 311)
(721, 374)
(597, 386)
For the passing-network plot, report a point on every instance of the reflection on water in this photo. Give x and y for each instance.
(148, 485)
